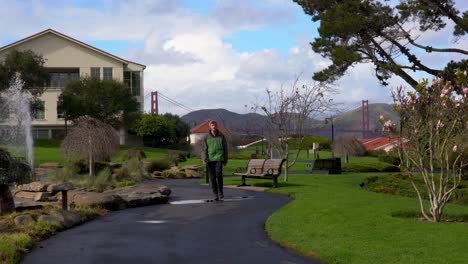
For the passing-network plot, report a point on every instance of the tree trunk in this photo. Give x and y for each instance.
(7, 203)
(287, 164)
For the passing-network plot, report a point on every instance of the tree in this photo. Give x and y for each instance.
(29, 65)
(156, 128)
(372, 31)
(12, 170)
(91, 139)
(182, 129)
(434, 125)
(288, 113)
(107, 100)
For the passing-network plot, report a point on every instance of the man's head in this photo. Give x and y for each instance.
(213, 125)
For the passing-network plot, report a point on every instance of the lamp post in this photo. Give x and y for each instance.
(330, 120)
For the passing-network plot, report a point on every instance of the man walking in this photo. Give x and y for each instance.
(215, 155)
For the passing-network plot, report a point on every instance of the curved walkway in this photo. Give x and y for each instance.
(215, 232)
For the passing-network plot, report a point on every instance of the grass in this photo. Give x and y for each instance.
(49, 151)
(17, 240)
(334, 220)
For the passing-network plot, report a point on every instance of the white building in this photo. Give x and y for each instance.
(68, 59)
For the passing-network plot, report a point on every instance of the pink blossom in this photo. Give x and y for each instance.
(455, 148)
(444, 104)
(465, 90)
(439, 125)
(388, 125)
(381, 117)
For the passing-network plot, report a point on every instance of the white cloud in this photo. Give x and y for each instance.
(186, 55)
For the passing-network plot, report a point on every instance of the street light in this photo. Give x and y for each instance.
(330, 120)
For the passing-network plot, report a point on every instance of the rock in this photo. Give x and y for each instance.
(50, 165)
(27, 195)
(156, 173)
(193, 173)
(36, 186)
(40, 172)
(164, 190)
(67, 218)
(41, 196)
(55, 188)
(135, 153)
(93, 199)
(50, 219)
(136, 199)
(23, 220)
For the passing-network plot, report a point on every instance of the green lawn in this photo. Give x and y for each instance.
(49, 151)
(331, 218)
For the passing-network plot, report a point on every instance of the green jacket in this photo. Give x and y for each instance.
(214, 148)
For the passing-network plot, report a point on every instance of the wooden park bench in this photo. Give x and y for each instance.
(261, 169)
(332, 165)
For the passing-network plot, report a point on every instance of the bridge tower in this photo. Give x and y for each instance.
(365, 118)
(154, 102)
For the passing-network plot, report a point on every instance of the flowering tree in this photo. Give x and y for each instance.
(434, 125)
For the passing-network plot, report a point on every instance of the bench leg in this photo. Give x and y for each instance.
(243, 182)
(275, 182)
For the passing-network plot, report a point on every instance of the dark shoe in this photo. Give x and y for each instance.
(221, 196)
(216, 199)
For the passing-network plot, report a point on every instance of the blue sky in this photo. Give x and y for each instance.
(204, 53)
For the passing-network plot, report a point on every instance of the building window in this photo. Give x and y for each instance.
(133, 81)
(59, 80)
(95, 72)
(60, 111)
(40, 133)
(107, 73)
(40, 110)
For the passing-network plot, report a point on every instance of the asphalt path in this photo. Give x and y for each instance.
(187, 230)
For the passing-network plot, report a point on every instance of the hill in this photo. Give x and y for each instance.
(344, 122)
(239, 122)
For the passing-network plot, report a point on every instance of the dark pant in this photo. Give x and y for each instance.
(215, 170)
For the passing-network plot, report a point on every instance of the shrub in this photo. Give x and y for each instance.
(376, 153)
(391, 158)
(158, 165)
(67, 173)
(166, 174)
(374, 167)
(42, 229)
(104, 180)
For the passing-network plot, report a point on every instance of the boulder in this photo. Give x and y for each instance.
(136, 199)
(189, 173)
(42, 196)
(36, 186)
(164, 190)
(94, 199)
(24, 194)
(67, 218)
(40, 172)
(135, 153)
(55, 188)
(22, 220)
(50, 219)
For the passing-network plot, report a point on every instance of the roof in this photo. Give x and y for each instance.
(71, 39)
(205, 127)
(379, 143)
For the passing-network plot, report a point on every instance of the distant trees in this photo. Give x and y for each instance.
(182, 129)
(107, 100)
(377, 32)
(91, 139)
(155, 129)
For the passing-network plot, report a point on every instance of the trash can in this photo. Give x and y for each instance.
(336, 168)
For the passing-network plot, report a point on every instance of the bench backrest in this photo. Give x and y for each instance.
(273, 166)
(255, 166)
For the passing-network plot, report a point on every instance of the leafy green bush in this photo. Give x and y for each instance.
(390, 158)
(158, 165)
(374, 167)
(400, 184)
(166, 174)
(376, 152)
(103, 181)
(67, 173)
